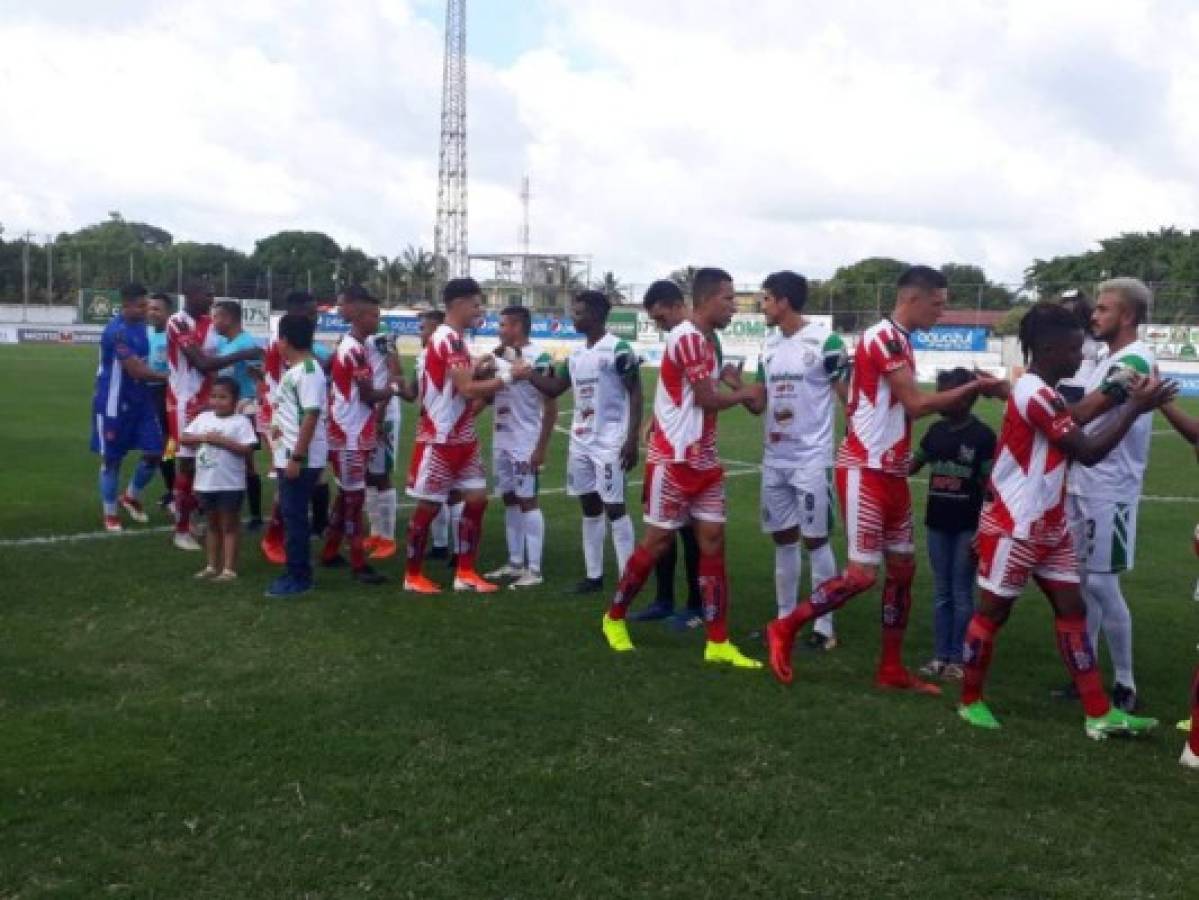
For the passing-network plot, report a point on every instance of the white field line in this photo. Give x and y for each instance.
(51, 539)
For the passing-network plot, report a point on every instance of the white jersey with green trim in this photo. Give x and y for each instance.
(597, 374)
(799, 373)
(519, 407)
(302, 389)
(1118, 476)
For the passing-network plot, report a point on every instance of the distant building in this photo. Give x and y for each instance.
(535, 280)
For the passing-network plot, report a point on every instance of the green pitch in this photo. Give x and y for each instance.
(160, 737)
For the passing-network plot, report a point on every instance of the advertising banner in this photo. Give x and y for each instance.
(1173, 341)
(52, 335)
(97, 306)
(951, 337)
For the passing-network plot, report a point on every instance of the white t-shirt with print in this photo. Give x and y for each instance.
(219, 469)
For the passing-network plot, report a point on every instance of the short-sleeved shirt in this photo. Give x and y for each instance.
(1119, 475)
(217, 468)
(519, 408)
(444, 413)
(351, 419)
(188, 385)
(878, 434)
(599, 377)
(302, 390)
(959, 460)
(239, 371)
(378, 357)
(116, 392)
(799, 372)
(1026, 497)
(683, 432)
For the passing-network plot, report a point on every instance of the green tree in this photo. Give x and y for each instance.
(970, 287)
(611, 285)
(421, 273)
(290, 256)
(862, 291)
(683, 278)
(1010, 323)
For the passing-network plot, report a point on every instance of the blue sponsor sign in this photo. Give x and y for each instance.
(951, 337)
(408, 325)
(1188, 383)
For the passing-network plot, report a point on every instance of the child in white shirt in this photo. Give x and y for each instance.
(225, 441)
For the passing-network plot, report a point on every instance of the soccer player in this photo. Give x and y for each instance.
(446, 454)
(1023, 532)
(1079, 305)
(299, 446)
(226, 319)
(193, 360)
(524, 420)
(872, 477)
(683, 478)
(1102, 499)
(352, 421)
(123, 413)
(158, 311)
(450, 513)
(605, 378)
(803, 368)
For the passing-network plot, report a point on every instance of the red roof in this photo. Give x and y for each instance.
(987, 318)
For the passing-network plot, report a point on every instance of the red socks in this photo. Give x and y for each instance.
(185, 500)
(335, 532)
(1193, 740)
(976, 657)
(1075, 649)
(828, 596)
(352, 504)
(714, 589)
(897, 603)
(636, 572)
(418, 536)
(470, 530)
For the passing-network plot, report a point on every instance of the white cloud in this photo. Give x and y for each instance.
(748, 135)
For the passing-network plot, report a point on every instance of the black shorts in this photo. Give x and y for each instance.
(220, 501)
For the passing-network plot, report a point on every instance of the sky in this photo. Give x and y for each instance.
(751, 134)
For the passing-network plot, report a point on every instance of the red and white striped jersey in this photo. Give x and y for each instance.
(444, 413)
(682, 431)
(188, 386)
(878, 434)
(1027, 495)
(351, 419)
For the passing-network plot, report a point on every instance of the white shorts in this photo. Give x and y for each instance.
(675, 494)
(1105, 533)
(177, 422)
(437, 469)
(588, 474)
(513, 474)
(387, 437)
(349, 467)
(1005, 563)
(800, 497)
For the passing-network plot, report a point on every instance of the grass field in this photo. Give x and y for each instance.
(160, 737)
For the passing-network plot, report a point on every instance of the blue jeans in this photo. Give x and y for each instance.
(294, 499)
(954, 565)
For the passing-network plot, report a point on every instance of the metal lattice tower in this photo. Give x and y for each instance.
(449, 236)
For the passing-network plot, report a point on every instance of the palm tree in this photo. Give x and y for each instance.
(611, 286)
(683, 278)
(420, 268)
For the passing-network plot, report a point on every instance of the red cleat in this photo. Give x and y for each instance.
(370, 543)
(779, 639)
(273, 552)
(470, 580)
(419, 584)
(900, 679)
(384, 549)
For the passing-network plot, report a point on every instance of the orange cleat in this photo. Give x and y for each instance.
(383, 549)
(370, 543)
(780, 637)
(897, 678)
(470, 580)
(273, 552)
(419, 584)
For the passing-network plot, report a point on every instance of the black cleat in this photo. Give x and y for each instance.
(367, 575)
(589, 586)
(1124, 698)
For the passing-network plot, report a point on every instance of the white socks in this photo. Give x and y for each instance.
(534, 523)
(624, 540)
(385, 513)
(441, 527)
(788, 564)
(514, 531)
(455, 518)
(371, 507)
(824, 567)
(1107, 609)
(593, 545)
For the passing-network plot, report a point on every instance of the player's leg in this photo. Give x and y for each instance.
(707, 515)
(900, 572)
(253, 490)
(468, 476)
(992, 612)
(532, 525)
(815, 526)
(688, 617)
(611, 491)
(1112, 550)
(779, 507)
(148, 438)
(166, 465)
(503, 465)
(863, 523)
(320, 503)
(385, 511)
(655, 540)
(965, 568)
(440, 533)
(582, 481)
(341, 463)
(429, 486)
(352, 498)
(1190, 750)
(295, 499)
(104, 444)
(185, 474)
(663, 604)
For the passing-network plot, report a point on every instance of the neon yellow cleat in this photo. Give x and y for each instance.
(617, 633)
(726, 654)
(1185, 725)
(1117, 722)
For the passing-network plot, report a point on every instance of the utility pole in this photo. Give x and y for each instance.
(25, 270)
(49, 269)
(179, 274)
(449, 235)
(269, 295)
(226, 279)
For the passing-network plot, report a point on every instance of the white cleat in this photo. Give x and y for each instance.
(1189, 758)
(134, 510)
(507, 570)
(529, 579)
(185, 541)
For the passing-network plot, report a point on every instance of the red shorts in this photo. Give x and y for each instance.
(179, 416)
(1006, 563)
(675, 494)
(349, 467)
(877, 509)
(437, 469)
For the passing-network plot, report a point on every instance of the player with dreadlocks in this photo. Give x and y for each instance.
(1024, 532)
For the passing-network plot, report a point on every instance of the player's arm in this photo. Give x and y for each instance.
(1113, 391)
(918, 404)
(136, 368)
(630, 369)
(1187, 426)
(1088, 449)
(549, 418)
(919, 458)
(552, 384)
(208, 363)
(756, 404)
(838, 367)
(465, 383)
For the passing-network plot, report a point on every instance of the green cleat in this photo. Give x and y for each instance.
(617, 633)
(726, 654)
(978, 714)
(1118, 722)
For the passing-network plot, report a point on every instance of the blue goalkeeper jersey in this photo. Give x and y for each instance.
(116, 392)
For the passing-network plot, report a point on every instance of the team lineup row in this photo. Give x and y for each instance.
(1092, 450)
